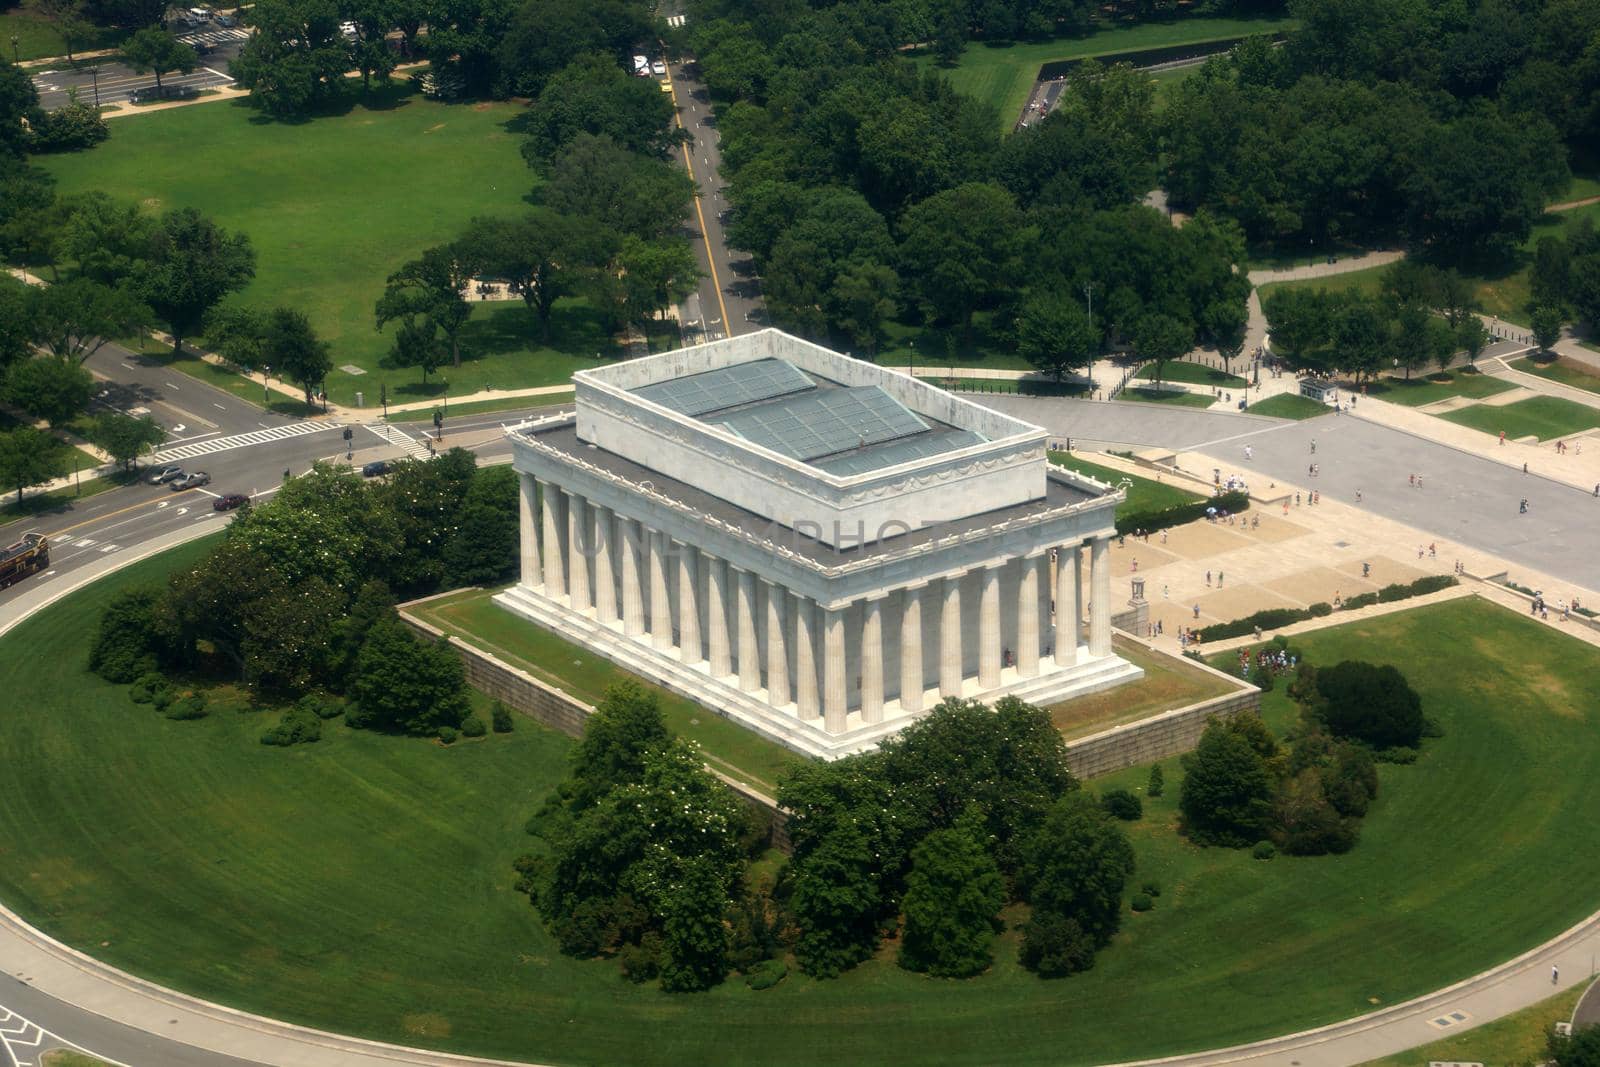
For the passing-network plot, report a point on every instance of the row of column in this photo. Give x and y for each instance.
(818, 633)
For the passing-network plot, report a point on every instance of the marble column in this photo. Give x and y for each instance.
(632, 590)
(605, 579)
(872, 660)
(555, 571)
(745, 619)
(1100, 597)
(579, 544)
(989, 628)
(835, 701)
(911, 649)
(718, 652)
(1028, 618)
(688, 607)
(805, 658)
(950, 639)
(531, 572)
(660, 604)
(777, 647)
(1069, 601)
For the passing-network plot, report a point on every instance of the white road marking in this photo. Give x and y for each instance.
(174, 388)
(218, 406)
(129, 366)
(242, 440)
(109, 548)
(86, 542)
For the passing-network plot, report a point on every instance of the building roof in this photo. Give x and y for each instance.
(710, 391)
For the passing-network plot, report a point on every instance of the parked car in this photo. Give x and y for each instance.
(191, 481)
(147, 93)
(230, 501)
(375, 468)
(162, 475)
(227, 21)
(658, 68)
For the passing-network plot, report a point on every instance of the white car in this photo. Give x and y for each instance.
(641, 65)
(658, 68)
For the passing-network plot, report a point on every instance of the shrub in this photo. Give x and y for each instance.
(1054, 946)
(1158, 782)
(1397, 756)
(298, 726)
(1308, 825)
(1321, 609)
(1121, 804)
(1361, 600)
(146, 686)
(1269, 619)
(192, 706)
(321, 705)
(1266, 679)
(1227, 792)
(500, 716)
(953, 893)
(162, 698)
(473, 727)
(1180, 514)
(1432, 583)
(766, 974)
(75, 125)
(121, 650)
(1368, 703)
(1264, 850)
(448, 734)
(1141, 902)
(641, 962)
(1151, 889)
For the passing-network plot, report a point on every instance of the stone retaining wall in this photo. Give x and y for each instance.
(1168, 734)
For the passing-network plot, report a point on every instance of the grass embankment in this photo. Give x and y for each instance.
(1543, 417)
(363, 883)
(1289, 406)
(1193, 373)
(1560, 369)
(1517, 1038)
(336, 204)
(1427, 389)
(1167, 684)
(38, 38)
(1144, 494)
(1003, 75)
(475, 618)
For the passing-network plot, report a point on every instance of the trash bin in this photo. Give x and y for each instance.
(361, 401)
(1241, 402)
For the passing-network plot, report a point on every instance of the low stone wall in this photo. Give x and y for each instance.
(1167, 734)
(560, 710)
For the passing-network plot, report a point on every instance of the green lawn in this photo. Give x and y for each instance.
(1003, 76)
(1145, 494)
(1512, 1039)
(731, 748)
(1425, 389)
(1566, 371)
(363, 884)
(333, 206)
(1544, 417)
(1194, 373)
(927, 350)
(479, 407)
(1367, 280)
(1289, 406)
(1167, 396)
(37, 38)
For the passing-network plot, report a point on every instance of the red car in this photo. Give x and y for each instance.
(230, 501)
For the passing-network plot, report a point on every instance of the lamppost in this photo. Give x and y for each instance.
(16, 56)
(1088, 296)
(913, 357)
(383, 398)
(266, 373)
(94, 72)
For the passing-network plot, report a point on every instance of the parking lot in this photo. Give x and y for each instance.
(113, 82)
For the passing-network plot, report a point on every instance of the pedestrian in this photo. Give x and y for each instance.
(1249, 453)
(1197, 611)
(286, 475)
(1135, 565)
(1411, 479)
(1163, 591)
(1208, 579)
(1502, 437)
(1419, 551)
(1297, 500)
(1313, 446)
(1358, 496)
(1163, 537)
(1219, 579)
(1366, 569)
(1419, 481)
(1555, 974)
(1433, 550)
(1524, 468)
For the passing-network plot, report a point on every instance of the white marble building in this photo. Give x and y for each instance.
(812, 545)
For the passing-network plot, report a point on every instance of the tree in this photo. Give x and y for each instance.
(962, 248)
(1226, 322)
(107, 238)
(28, 457)
(656, 274)
(237, 335)
(67, 18)
(1579, 1049)
(289, 344)
(18, 99)
(370, 51)
(431, 289)
(1161, 338)
(862, 301)
(192, 264)
(18, 329)
(296, 59)
(1412, 341)
(836, 902)
(75, 318)
(1472, 336)
(290, 634)
(1547, 323)
(124, 437)
(625, 727)
(953, 896)
(75, 125)
(694, 935)
(1054, 946)
(51, 389)
(123, 637)
(1368, 703)
(542, 255)
(483, 548)
(598, 180)
(594, 95)
(403, 684)
(157, 51)
(1227, 792)
(1076, 864)
(1054, 333)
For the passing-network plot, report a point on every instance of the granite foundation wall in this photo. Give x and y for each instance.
(1168, 734)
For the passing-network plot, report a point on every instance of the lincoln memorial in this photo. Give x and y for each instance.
(814, 546)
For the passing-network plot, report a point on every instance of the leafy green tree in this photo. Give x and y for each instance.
(124, 437)
(1228, 789)
(1412, 340)
(953, 897)
(237, 334)
(432, 289)
(1546, 324)
(598, 180)
(290, 635)
(1359, 335)
(1306, 823)
(1473, 337)
(68, 18)
(1368, 703)
(107, 238)
(122, 649)
(75, 318)
(1225, 322)
(28, 457)
(192, 264)
(1076, 864)
(961, 249)
(291, 346)
(862, 302)
(73, 126)
(543, 255)
(694, 934)
(483, 548)
(1054, 332)
(1161, 339)
(543, 38)
(836, 902)
(656, 274)
(406, 685)
(1158, 782)
(157, 51)
(18, 329)
(51, 389)
(423, 501)
(417, 343)
(595, 95)
(625, 727)
(1054, 946)
(1580, 1049)
(296, 59)
(18, 99)
(370, 53)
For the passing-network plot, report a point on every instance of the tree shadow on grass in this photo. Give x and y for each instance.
(383, 96)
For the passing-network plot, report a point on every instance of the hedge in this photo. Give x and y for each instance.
(1179, 514)
(1276, 618)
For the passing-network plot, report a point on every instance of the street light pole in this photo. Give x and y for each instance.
(16, 56)
(1088, 296)
(94, 72)
(266, 373)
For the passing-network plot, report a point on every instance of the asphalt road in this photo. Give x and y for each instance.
(112, 82)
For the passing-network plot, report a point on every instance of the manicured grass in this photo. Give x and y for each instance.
(927, 351)
(1167, 684)
(333, 206)
(363, 884)
(732, 749)
(1426, 389)
(1544, 417)
(37, 38)
(1581, 187)
(1566, 371)
(61, 1057)
(1194, 373)
(1144, 494)
(1004, 75)
(1289, 406)
(1167, 396)
(1511, 1039)
(1368, 280)
(510, 403)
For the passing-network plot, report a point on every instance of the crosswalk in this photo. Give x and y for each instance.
(395, 436)
(220, 35)
(242, 440)
(677, 20)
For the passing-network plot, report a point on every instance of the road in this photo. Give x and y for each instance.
(112, 82)
(727, 301)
